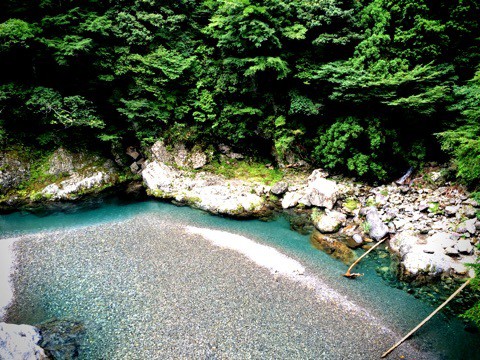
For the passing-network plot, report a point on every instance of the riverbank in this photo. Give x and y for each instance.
(158, 290)
(432, 224)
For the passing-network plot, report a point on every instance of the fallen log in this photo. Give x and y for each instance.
(427, 318)
(354, 275)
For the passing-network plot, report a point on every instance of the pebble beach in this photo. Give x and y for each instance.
(149, 287)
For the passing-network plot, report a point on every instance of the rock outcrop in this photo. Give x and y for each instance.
(213, 193)
(13, 171)
(20, 342)
(79, 174)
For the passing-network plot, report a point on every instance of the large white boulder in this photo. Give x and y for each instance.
(208, 192)
(20, 342)
(377, 229)
(321, 192)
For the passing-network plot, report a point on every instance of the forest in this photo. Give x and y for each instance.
(365, 88)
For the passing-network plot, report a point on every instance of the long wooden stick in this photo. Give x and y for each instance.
(427, 318)
(347, 274)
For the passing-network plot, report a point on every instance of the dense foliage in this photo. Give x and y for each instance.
(366, 87)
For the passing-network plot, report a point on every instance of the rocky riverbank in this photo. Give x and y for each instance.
(432, 225)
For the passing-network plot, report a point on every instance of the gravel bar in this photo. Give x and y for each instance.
(146, 288)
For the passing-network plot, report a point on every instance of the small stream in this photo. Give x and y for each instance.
(444, 335)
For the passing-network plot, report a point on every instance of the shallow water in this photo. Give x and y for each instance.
(400, 311)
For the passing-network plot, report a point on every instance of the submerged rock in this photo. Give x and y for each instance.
(333, 247)
(61, 338)
(20, 342)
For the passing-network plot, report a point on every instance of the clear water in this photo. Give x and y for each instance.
(443, 335)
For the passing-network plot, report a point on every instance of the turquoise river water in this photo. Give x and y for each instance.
(444, 335)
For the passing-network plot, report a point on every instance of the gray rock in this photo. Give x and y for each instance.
(76, 184)
(62, 162)
(227, 150)
(208, 192)
(464, 247)
(469, 212)
(291, 199)
(160, 153)
(443, 239)
(378, 230)
(321, 192)
(279, 188)
(467, 226)
(357, 238)
(452, 251)
(180, 155)
(451, 210)
(20, 342)
(329, 221)
(198, 159)
(471, 202)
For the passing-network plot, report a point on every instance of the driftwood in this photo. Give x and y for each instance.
(354, 275)
(427, 318)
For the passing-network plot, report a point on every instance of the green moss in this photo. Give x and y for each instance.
(245, 170)
(434, 207)
(351, 204)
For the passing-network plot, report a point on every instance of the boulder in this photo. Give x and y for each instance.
(279, 188)
(422, 259)
(321, 192)
(179, 155)
(452, 251)
(159, 176)
(377, 229)
(20, 342)
(451, 210)
(328, 221)
(209, 192)
(291, 199)
(467, 226)
(197, 159)
(465, 247)
(469, 211)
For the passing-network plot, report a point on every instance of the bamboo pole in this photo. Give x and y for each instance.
(354, 275)
(427, 318)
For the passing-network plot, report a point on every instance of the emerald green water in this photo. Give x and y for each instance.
(444, 335)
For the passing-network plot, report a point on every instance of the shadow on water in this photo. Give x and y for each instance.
(379, 295)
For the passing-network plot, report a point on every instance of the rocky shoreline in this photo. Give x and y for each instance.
(433, 225)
